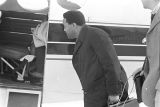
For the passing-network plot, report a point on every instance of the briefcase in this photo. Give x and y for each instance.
(128, 103)
(138, 80)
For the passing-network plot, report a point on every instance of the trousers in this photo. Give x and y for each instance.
(40, 57)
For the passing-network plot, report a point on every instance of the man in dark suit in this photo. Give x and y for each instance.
(95, 61)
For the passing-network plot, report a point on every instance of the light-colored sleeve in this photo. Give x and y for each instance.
(41, 32)
(43, 36)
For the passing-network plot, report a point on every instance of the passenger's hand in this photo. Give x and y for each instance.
(29, 58)
(113, 99)
(144, 41)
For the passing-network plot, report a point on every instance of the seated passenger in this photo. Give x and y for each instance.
(40, 35)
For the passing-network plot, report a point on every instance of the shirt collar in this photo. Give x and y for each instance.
(82, 33)
(156, 8)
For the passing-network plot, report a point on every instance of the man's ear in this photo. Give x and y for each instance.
(74, 25)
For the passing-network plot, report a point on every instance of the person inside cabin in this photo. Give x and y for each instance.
(40, 36)
(95, 61)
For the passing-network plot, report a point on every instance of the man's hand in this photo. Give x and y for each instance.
(113, 99)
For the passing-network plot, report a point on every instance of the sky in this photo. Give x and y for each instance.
(104, 11)
(107, 11)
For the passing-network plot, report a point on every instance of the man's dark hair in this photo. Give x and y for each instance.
(74, 17)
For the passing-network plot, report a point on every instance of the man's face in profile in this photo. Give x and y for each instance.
(69, 29)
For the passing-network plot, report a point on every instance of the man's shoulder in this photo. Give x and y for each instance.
(91, 28)
(95, 31)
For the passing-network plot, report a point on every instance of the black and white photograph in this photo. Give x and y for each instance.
(79, 53)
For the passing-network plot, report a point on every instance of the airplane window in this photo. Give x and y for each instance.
(2, 1)
(33, 4)
(59, 44)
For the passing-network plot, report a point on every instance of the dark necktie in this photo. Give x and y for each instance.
(152, 16)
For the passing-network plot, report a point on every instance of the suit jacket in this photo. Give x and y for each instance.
(152, 81)
(96, 62)
(153, 47)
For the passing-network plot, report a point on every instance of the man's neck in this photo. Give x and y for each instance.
(78, 30)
